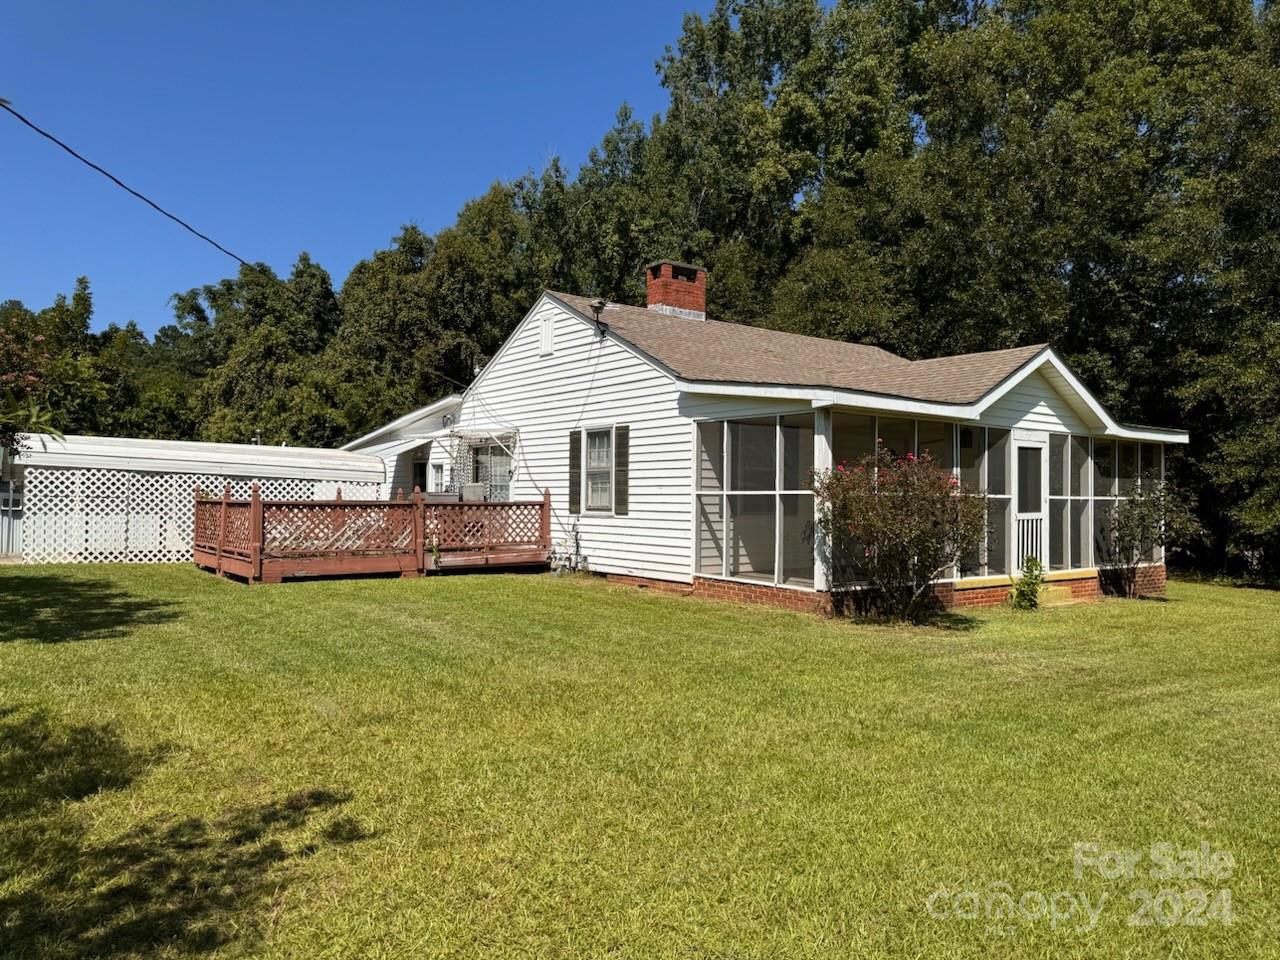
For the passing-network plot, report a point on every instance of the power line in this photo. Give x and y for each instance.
(4, 104)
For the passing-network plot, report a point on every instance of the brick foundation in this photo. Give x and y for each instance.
(803, 601)
(1151, 582)
(711, 589)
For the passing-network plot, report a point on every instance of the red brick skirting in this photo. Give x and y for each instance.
(711, 589)
(804, 601)
(1151, 582)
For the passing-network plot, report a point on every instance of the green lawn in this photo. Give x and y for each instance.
(528, 766)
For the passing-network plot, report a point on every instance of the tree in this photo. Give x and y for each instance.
(22, 357)
(1154, 517)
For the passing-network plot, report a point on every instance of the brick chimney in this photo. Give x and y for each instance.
(678, 289)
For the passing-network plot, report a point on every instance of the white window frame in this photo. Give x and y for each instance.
(609, 428)
(547, 333)
(437, 478)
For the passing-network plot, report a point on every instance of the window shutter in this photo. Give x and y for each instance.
(621, 469)
(575, 471)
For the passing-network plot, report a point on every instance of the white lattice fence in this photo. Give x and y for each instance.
(131, 516)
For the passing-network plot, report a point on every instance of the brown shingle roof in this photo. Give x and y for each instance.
(713, 351)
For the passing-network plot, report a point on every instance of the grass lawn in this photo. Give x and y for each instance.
(528, 766)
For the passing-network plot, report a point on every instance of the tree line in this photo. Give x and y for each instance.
(932, 176)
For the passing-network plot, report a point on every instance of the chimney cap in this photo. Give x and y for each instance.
(675, 263)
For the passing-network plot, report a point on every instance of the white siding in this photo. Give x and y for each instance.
(1034, 405)
(591, 381)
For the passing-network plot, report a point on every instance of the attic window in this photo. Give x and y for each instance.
(548, 336)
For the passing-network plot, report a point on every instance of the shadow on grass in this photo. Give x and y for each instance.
(55, 609)
(170, 885)
(949, 620)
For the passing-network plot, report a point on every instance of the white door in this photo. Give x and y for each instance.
(1031, 499)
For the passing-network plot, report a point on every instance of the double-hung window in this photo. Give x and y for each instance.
(600, 469)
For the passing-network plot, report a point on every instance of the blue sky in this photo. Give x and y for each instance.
(282, 127)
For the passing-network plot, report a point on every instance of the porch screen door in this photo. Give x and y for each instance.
(1029, 515)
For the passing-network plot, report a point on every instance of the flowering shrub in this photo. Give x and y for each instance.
(896, 524)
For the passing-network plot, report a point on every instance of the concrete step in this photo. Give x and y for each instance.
(1055, 595)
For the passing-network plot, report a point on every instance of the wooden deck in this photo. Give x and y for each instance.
(267, 541)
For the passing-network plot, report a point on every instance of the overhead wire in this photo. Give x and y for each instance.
(261, 268)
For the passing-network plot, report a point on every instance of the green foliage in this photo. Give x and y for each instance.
(897, 525)
(1026, 589)
(1154, 517)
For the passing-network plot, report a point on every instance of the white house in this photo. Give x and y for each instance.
(677, 448)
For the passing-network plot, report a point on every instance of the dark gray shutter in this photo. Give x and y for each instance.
(575, 471)
(621, 469)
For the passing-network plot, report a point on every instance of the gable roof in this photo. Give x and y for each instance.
(711, 350)
(711, 356)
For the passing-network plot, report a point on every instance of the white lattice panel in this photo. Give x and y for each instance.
(132, 516)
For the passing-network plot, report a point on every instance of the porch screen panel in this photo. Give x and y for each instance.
(797, 451)
(997, 462)
(1104, 468)
(1080, 534)
(972, 442)
(710, 474)
(938, 441)
(1080, 466)
(853, 438)
(896, 436)
(1057, 465)
(1151, 466)
(752, 542)
(1059, 521)
(1126, 467)
(753, 454)
(710, 546)
(797, 539)
(999, 502)
(1103, 548)
(998, 514)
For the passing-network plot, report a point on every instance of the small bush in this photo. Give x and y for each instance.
(1026, 589)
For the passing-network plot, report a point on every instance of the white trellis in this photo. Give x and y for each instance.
(98, 515)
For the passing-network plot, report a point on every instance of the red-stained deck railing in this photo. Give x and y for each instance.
(269, 540)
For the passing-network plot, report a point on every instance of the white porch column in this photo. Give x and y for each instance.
(822, 460)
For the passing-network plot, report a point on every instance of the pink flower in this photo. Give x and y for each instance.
(840, 467)
(911, 458)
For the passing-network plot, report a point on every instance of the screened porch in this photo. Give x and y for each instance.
(1049, 495)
